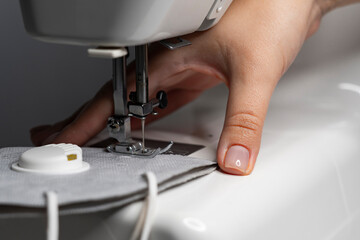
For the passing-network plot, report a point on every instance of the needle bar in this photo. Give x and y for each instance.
(143, 134)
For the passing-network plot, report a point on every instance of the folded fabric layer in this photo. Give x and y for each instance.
(112, 181)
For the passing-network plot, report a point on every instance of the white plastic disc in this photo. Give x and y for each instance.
(52, 159)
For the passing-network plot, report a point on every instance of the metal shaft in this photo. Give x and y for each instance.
(143, 134)
(119, 83)
(142, 82)
(119, 125)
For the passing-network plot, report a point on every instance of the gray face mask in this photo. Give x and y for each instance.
(112, 181)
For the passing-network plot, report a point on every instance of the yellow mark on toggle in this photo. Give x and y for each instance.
(71, 157)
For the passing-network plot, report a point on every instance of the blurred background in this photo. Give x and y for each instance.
(43, 83)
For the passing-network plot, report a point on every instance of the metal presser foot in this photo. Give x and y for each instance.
(136, 150)
(131, 147)
(140, 107)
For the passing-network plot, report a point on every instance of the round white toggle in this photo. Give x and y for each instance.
(52, 159)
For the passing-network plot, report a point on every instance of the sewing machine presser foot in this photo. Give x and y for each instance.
(135, 149)
(139, 106)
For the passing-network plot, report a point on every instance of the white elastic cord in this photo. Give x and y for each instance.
(143, 226)
(52, 216)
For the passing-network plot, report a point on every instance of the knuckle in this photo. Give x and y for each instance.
(246, 122)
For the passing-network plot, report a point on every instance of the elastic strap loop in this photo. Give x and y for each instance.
(143, 226)
(52, 232)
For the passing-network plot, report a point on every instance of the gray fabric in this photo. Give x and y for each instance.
(112, 181)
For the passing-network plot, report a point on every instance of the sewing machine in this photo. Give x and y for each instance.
(112, 26)
(306, 181)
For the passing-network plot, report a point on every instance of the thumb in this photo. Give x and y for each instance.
(249, 96)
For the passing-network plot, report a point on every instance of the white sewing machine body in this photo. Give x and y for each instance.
(118, 22)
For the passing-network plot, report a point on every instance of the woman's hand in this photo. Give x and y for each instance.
(249, 50)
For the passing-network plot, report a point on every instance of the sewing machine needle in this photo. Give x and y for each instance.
(143, 134)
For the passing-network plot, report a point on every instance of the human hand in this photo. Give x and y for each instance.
(249, 50)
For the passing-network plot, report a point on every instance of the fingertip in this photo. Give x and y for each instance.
(50, 139)
(38, 129)
(38, 134)
(236, 160)
(74, 134)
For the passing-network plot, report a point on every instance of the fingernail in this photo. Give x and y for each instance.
(237, 158)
